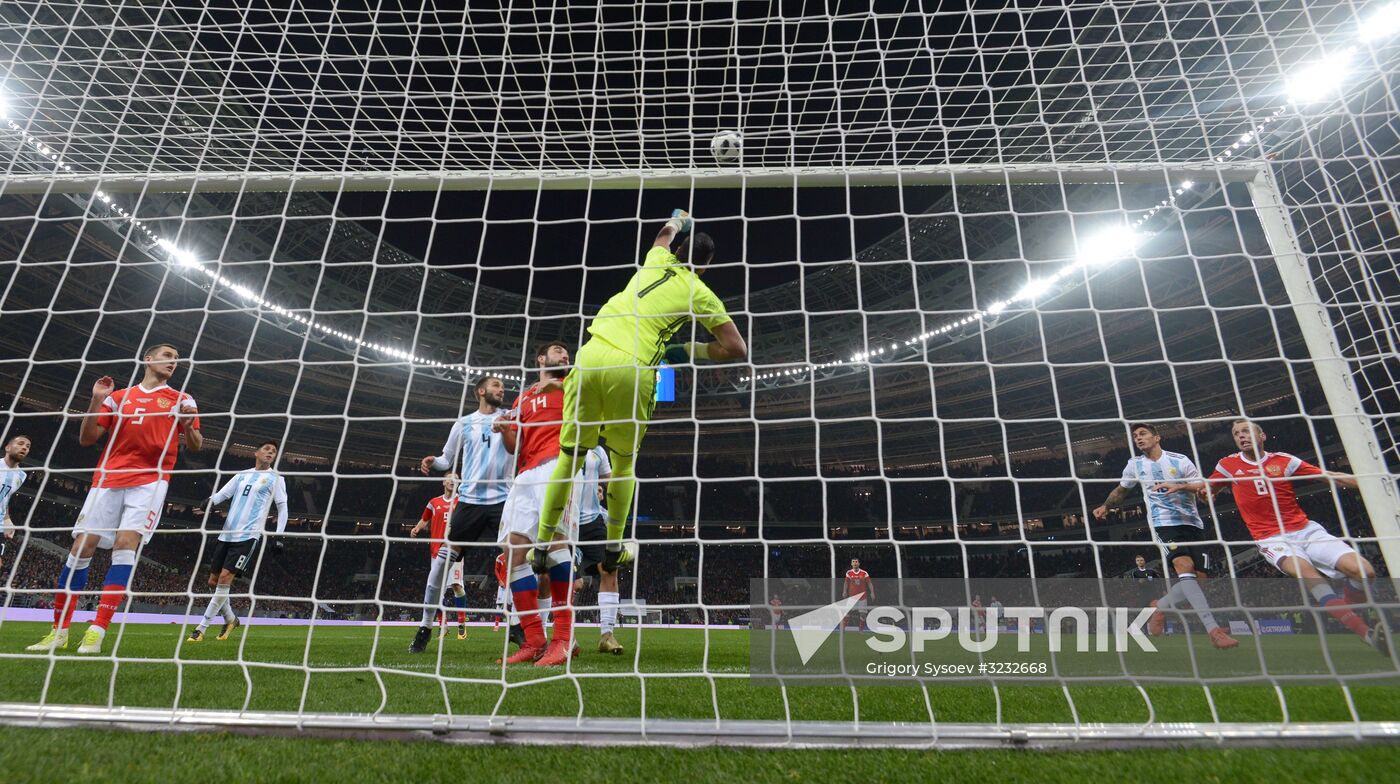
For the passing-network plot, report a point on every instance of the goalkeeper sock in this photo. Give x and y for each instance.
(114, 586)
(524, 590)
(432, 593)
(71, 579)
(561, 584)
(620, 490)
(607, 611)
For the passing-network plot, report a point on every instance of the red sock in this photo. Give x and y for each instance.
(60, 605)
(461, 617)
(526, 605)
(1353, 595)
(112, 598)
(561, 612)
(1348, 618)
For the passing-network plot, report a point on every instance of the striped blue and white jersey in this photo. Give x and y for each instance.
(485, 467)
(1165, 508)
(596, 467)
(251, 492)
(10, 481)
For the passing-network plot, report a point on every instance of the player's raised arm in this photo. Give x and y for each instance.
(443, 461)
(188, 419)
(680, 223)
(1114, 500)
(99, 417)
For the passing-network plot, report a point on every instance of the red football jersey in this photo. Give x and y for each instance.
(857, 581)
(538, 418)
(501, 568)
(436, 513)
(143, 435)
(1267, 504)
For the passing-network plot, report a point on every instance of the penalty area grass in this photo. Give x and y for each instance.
(675, 673)
(69, 754)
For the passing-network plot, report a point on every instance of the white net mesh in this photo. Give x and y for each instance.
(965, 249)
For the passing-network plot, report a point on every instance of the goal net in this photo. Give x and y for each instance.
(968, 250)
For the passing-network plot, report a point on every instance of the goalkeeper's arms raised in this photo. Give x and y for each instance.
(728, 346)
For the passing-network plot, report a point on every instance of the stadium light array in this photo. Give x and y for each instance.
(1321, 79)
(187, 261)
(1384, 23)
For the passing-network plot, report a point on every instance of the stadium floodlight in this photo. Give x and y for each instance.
(1383, 23)
(1321, 79)
(1109, 246)
(182, 257)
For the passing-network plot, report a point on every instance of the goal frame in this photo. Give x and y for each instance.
(1332, 368)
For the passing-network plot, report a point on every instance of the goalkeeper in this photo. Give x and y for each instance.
(612, 388)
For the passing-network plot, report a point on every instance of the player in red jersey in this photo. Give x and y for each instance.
(144, 425)
(531, 433)
(858, 582)
(1262, 484)
(435, 516)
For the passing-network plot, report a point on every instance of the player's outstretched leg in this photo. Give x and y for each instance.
(1187, 590)
(432, 598)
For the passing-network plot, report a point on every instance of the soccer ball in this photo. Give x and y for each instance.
(726, 146)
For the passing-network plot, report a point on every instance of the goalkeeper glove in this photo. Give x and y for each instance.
(539, 558)
(678, 353)
(611, 556)
(681, 220)
(278, 548)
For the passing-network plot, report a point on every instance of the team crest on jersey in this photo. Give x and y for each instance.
(163, 403)
(1171, 471)
(1273, 470)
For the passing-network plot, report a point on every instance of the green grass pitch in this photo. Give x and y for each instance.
(364, 670)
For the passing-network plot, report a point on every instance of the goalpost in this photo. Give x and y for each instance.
(957, 291)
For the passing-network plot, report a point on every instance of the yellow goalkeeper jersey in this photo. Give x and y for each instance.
(661, 297)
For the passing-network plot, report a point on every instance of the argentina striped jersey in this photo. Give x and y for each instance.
(250, 492)
(595, 466)
(1165, 508)
(10, 480)
(485, 466)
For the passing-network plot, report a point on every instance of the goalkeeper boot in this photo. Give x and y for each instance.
(1156, 622)
(229, 626)
(1377, 639)
(92, 640)
(609, 644)
(55, 640)
(461, 631)
(1221, 640)
(196, 636)
(420, 640)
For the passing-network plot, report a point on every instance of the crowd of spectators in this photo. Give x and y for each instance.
(348, 552)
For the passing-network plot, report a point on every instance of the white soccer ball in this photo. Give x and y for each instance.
(726, 146)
